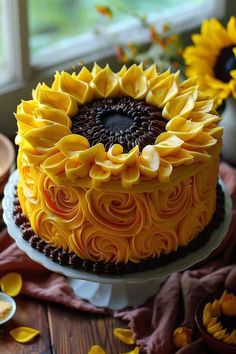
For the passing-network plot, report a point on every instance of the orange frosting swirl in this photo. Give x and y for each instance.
(154, 242)
(90, 243)
(170, 205)
(64, 202)
(120, 214)
(50, 230)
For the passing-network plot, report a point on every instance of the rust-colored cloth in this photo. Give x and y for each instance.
(154, 322)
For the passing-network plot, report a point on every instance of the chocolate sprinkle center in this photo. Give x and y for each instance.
(120, 120)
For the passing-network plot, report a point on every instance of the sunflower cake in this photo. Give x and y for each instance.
(118, 171)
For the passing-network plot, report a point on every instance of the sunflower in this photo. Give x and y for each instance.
(108, 128)
(212, 59)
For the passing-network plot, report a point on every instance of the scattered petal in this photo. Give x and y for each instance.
(96, 349)
(11, 284)
(125, 335)
(24, 334)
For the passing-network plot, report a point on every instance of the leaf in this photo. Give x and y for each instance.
(125, 335)
(104, 11)
(96, 349)
(24, 334)
(11, 284)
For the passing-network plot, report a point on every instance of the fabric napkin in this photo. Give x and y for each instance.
(154, 322)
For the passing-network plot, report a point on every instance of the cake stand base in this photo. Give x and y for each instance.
(115, 296)
(113, 291)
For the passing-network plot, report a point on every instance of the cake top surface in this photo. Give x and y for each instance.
(117, 130)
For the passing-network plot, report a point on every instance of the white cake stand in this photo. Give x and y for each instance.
(112, 291)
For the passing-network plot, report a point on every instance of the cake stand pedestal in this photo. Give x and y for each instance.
(113, 291)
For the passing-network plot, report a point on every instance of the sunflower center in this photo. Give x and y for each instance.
(120, 120)
(225, 62)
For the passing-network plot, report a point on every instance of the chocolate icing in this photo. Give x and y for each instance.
(120, 120)
(71, 259)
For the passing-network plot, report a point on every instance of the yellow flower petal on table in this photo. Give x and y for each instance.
(134, 83)
(105, 83)
(11, 284)
(96, 349)
(24, 334)
(125, 335)
(182, 336)
(133, 351)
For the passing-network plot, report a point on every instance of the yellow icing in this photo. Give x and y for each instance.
(111, 205)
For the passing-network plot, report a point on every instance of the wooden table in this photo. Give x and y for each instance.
(63, 331)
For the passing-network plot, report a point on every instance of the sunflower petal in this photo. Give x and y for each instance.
(24, 334)
(125, 335)
(11, 284)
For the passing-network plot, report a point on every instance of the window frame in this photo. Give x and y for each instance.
(25, 75)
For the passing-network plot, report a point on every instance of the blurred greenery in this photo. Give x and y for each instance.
(57, 20)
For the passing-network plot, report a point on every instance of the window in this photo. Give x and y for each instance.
(39, 36)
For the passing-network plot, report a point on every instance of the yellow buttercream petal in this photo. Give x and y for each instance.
(167, 144)
(96, 349)
(85, 75)
(115, 154)
(53, 115)
(96, 69)
(122, 71)
(11, 284)
(59, 100)
(55, 164)
(24, 334)
(201, 141)
(181, 105)
(162, 92)
(79, 89)
(158, 78)
(151, 72)
(130, 176)
(149, 161)
(72, 144)
(203, 106)
(134, 83)
(183, 128)
(125, 335)
(164, 171)
(46, 137)
(110, 166)
(27, 106)
(105, 83)
(74, 169)
(183, 157)
(99, 174)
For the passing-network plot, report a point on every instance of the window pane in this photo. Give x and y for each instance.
(3, 45)
(55, 22)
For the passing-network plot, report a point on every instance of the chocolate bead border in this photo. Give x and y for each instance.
(71, 259)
